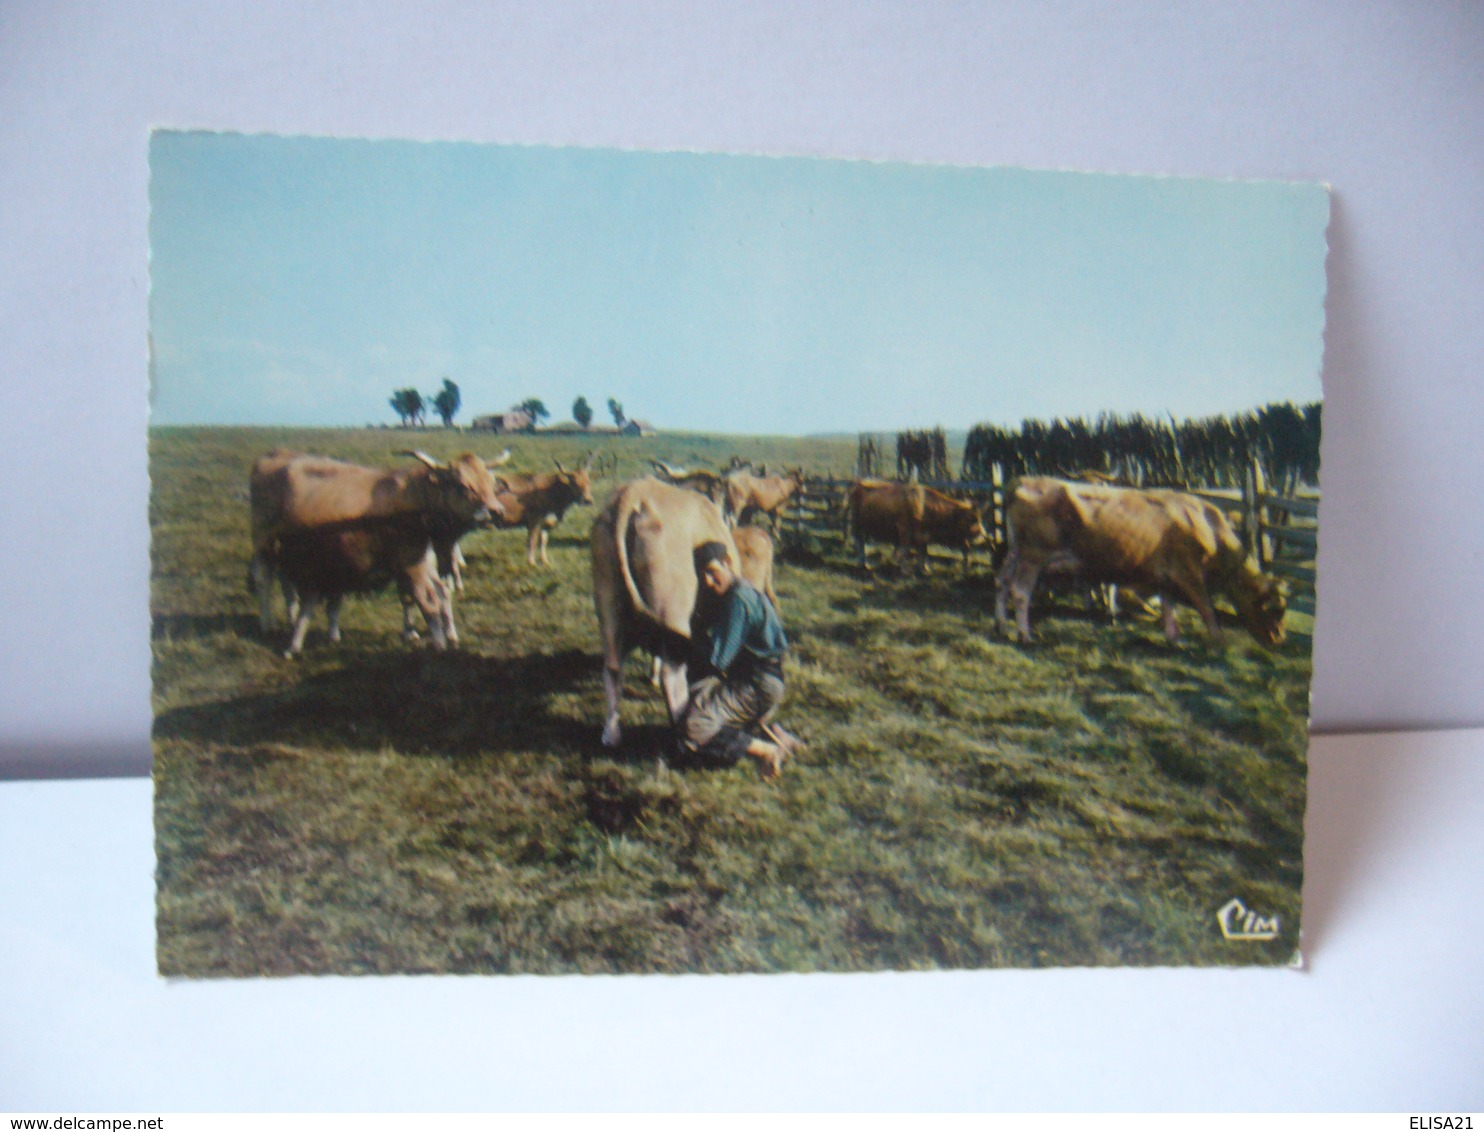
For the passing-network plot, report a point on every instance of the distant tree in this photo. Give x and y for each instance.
(536, 408)
(582, 412)
(408, 404)
(617, 410)
(446, 402)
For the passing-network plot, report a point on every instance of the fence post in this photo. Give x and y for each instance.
(996, 503)
(1253, 487)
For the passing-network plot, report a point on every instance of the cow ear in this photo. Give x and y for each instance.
(423, 456)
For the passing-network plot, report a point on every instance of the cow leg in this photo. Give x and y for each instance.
(430, 596)
(260, 580)
(1191, 586)
(533, 535)
(654, 672)
(301, 627)
(290, 600)
(612, 692)
(1023, 588)
(432, 599)
(458, 562)
(675, 687)
(1002, 586)
(332, 608)
(1203, 606)
(1167, 616)
(545, 535)
(449, 627)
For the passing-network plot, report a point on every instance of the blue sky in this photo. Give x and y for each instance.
(299, 281)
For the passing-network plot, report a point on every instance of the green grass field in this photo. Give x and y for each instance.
(1091, 799)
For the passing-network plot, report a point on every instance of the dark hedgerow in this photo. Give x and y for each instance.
(1210, 452)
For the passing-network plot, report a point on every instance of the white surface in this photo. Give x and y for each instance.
(1383, 100)
(1389, 1015)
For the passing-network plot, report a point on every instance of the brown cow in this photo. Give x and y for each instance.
(645, 585)
(912, 517)
(293, 492)
(538, 502)
(1174, 544)
(748, 493)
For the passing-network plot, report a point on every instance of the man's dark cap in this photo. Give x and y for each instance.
(709, 552)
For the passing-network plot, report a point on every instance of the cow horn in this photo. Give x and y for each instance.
(423, 456)
(558, 464)
(502, 458)
(587, 461)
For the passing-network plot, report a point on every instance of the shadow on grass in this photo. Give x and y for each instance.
(418, 703)
(937, 593)
(188, 626)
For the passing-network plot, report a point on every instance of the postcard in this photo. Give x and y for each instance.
(575, 561)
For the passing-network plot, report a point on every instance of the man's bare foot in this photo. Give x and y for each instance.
(790, 744)
(770, 762)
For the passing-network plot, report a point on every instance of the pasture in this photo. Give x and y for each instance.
(1090, 799)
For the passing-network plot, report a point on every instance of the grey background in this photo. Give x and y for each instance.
(1382, 100)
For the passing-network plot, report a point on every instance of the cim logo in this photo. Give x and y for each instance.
(1240, 922)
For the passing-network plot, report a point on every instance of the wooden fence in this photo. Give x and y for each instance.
(1282, 533)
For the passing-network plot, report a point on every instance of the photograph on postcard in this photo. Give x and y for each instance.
(574, 561)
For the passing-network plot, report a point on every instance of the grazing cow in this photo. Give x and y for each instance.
(748, 493)
(709, 484)
(538, 502)
(912, 517)
(1176, 545)
(645, 584)
(293, 494)
(326, 563)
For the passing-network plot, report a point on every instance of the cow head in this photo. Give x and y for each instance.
(1261, 604)
(464, 488)
(578, 485)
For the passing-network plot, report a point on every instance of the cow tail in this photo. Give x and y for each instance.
(625, 516)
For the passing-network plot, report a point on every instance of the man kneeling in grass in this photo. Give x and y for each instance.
(737, 671)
